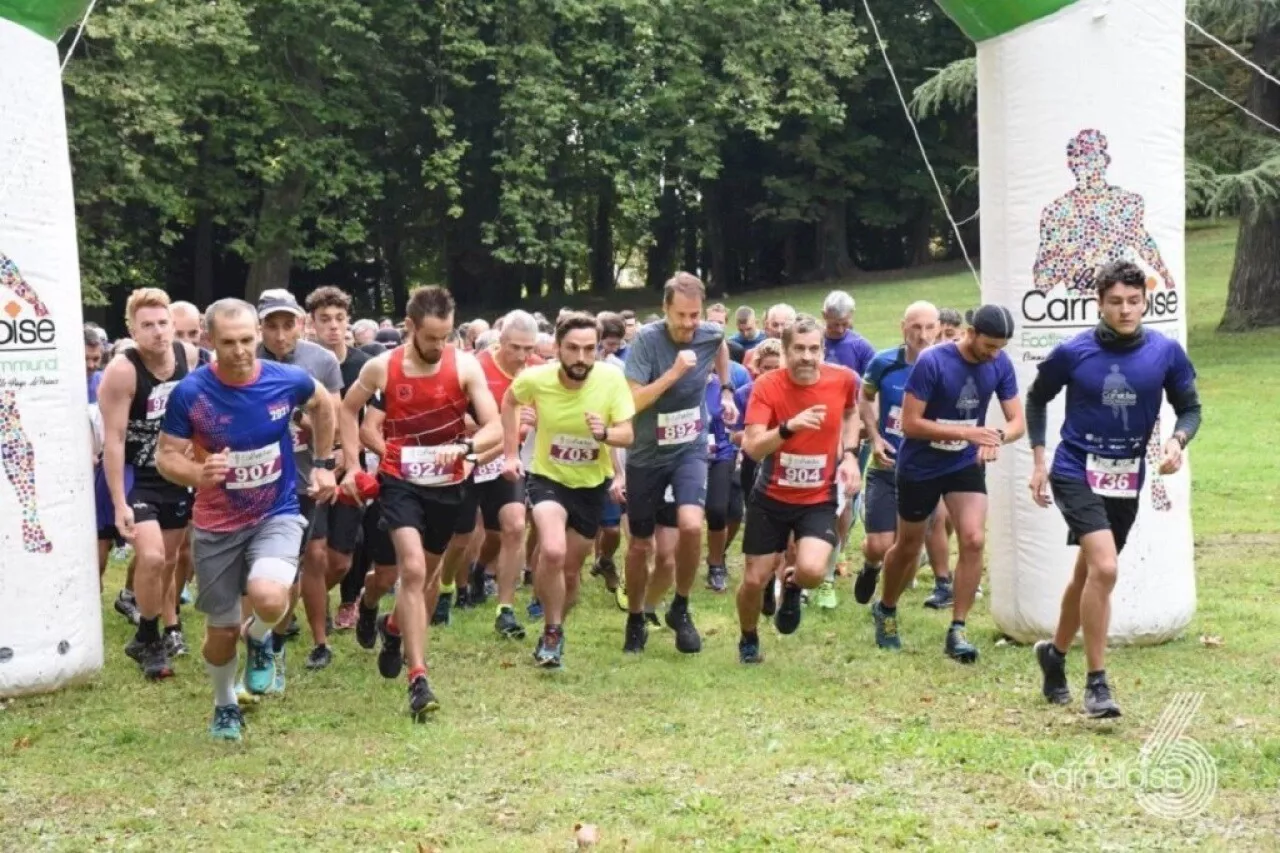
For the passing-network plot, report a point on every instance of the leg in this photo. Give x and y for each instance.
(968, 512)
(577, 547)
(938, 543)
(549, 577)
(411, 599)
(511, 521)
(666, 543)
(900, 561)
(1069, 616)
(315, 590)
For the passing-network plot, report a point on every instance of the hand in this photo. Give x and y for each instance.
(988, 454)
(595, 425)
(512, 468)
(810, 418)
(729, 410)
(685, 361)
(618, 489)
(448, 454)
(983, 436)
(849, 475)
(883, 452)
(214, 470)
(350, 486)
(124, 523)
(1040, 487)
(322, 486)
(1171, 461)
(735, 438)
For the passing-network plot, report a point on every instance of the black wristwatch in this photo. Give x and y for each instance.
(469, 445)
(784, 431)
(602, 436)
(851, 451)
(329, 464)
(1000, 433)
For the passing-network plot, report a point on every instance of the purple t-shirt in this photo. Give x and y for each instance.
(956, 392)
(852, 351)
(1113, 400)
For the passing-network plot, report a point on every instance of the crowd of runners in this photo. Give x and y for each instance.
(258, 456)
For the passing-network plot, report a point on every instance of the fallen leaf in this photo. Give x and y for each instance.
(586, 834)
(992, 824)
(424, 848)
(1211, 641)
(1239, 723)
(21, 743)
(506, 664)
(926, 699)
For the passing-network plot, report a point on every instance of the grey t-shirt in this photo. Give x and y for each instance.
(676, 424)
(323, 367)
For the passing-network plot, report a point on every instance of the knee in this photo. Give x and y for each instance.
(413, 570)
(553, 554)
(270, 600)
(513, 537)
(690, 524)
(220, 644)
(971, 541)
(643, 547)
(1103, 572)
(874, 548)
(717, 520)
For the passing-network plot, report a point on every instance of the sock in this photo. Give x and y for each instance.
(258, 629)
(447, 588)
(224, 682)
(554, 630)
(634, 618)
(871, 569)
(679, 603)
(416, 671)
(750, 637)
(364, 608)
(887, 610)
(173, 629)
(1095, 677)
(278, 641)
(1055, 650)
(957, 623)
(942, 582)
(148, 630)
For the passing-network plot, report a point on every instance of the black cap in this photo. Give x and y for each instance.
(274, 301)
(388, 336)
(994, 321)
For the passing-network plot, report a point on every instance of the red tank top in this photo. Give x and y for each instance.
(423, 412)
(499, 381)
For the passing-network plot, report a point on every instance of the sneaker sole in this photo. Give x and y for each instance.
(159, 676)
(1053, 697)
(963, 657)
(514, 634)
(423, 714)
(1106, 714)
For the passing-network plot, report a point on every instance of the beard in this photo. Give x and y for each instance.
(578, 372)
(428, 358)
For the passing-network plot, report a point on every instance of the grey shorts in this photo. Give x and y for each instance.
(880, 496)
(225, 562)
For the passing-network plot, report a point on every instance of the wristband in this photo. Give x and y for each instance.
(851, 451)
(329, 464)
(1000, 433)
(1181, 439)
(603, 436)
(784, 431)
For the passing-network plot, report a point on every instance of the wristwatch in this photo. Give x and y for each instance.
(1000, 433)
(329, 464)
(469, 445)
(784, 431)
(851, 451)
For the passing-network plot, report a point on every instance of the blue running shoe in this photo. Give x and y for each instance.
(227, 722)
(260, 670)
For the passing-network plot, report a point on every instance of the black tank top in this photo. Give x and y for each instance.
(150, 398)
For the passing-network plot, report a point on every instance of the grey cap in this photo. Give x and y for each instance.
(275, 301)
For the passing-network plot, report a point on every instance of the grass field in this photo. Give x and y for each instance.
(829, 745)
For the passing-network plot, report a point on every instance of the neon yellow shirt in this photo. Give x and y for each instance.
(564, 450)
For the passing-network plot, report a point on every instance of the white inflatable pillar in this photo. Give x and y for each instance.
(1081, 135)
(50, 611)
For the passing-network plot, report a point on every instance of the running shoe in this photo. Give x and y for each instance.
(462, 598)
(886, 628)
(749, 651)
(127, 606)
(534, 609)
(717, 578)
(227, 722)
(390, 659)
(293, 629)
(278, 683)
(320, 657)
(651, 619)
(421, 700)
(1098, 704)
(175, 644)
(1053, 667)
(605, 568)
(942, 596)
(347, 616)
(825, 596)
(490, 586)
(260, 669)
(864, 585)
(769, 604)
(688, 641)
(507, 626)
(478, 593)
(152, 658)
(549, 653)
(787, 619)
(620, 599)
(636, 635)
(443, 606)
(185, 597)
(367, 626)
(958, 646)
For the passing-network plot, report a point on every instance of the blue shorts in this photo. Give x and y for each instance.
(611, 515)
(647, 486)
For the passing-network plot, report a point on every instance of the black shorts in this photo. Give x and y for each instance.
(1086, 512)
(489, 498)
(771, 523)
(165, 503)
(377, 538)
(339, 524)
(647, 484)
(433, 510)
(917, 499)
(584, 506)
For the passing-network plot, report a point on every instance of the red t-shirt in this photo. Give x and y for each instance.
(802, 471)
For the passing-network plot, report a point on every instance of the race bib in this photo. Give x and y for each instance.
(1113, 478)
(572, 450)
(253, 469)
(371, 463)
(490, 470)
(158, 400)
(893, 423)
(418, 466)
(301, 437)
(953, 446)
(800, 472)
(679, 427)
(711, 442)
(669, 496)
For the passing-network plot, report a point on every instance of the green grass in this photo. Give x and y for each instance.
(829, 745)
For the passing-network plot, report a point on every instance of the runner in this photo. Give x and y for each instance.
(282, 324)
(226, 434)
(791, 431)
(582, 410)
(611, 329)
(777, 318)
(945, 448)
(427, 388)
(881, 410)
(667, 368)
(1115, 376)
(330, 311)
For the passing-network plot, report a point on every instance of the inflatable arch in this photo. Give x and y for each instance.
(1081, 147)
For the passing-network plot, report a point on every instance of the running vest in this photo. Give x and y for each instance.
(423, 412)
(146, 412)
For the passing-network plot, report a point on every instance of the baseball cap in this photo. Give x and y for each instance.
(275, 301)
(994, 321)
(388, 337)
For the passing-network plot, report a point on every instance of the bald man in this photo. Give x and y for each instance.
(776, 319)
(188, 327)
(881, 411)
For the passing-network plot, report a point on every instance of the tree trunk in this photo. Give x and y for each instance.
(273, 254)
(921, 237)
(1253, 295)
(719, 270)
(601, 252)
(689, 243)
(666, 238)
(202, 293)
(833, 242)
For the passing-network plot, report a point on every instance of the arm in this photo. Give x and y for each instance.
(490, 433)
(371, 432)
(916, 425)
(372, 377)
(869, 410)
(620, 434)
(639, 367)
(722, 367)
(510, 421)
(851, 434)
(115, 395)
(1015, 425)
(1049, 381)
(646, 395)
(760, 441)
(175, 463)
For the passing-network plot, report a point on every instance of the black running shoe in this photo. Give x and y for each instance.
(1053, 667)
(421, 700)
(478, 593)
(864, 586)
(319, 658)
(127, 606)
(367, 626)
(958, 647)
(769, 604)
(1098, 704)
(688, 641)
(717, 578)
(637, 635)
(787, 619)
(153, 660)
(605, 568)
(749, 651)
(651, 619)
(462, 598)
(942, 596)
(443, 605)
(507, 626)
(390, 659)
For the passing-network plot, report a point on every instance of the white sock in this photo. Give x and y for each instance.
(258, 629)
(224, 682)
